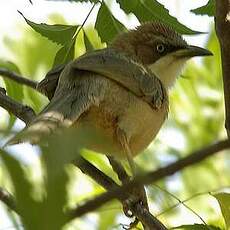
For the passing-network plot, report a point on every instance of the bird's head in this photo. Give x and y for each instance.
(160, 48)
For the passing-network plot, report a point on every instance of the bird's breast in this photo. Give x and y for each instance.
(141, 124)
(121, 109)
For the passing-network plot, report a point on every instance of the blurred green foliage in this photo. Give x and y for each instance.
(196, 116)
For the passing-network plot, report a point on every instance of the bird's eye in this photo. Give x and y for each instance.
(160, 48)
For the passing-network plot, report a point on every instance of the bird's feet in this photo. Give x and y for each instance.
(137, 198)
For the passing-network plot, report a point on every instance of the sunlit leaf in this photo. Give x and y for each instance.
(88, 44)
(93, 38)
(224, 202)
(151, 10)
(208, 9)
(61, 34)
(107, 25)
(65, 54)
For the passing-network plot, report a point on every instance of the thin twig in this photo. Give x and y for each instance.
(190, 198)
(7, 199)
(151, 177)
(18, 78)
(23, 112)
(93, 172)
(85, 20)
(185, 205)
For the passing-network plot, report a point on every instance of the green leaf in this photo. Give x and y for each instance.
(13, 89)
(56, 186)
(151, 10)
(197, 227)
(60, 34)
(224, 202)
(65, 54)
(23, 191)
(107, 25)
(208, 9)
(60, 151)
(88, 44)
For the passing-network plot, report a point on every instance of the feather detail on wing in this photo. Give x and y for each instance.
(117, 67)
(72, 98)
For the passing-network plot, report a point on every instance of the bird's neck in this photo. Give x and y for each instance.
(167, 69)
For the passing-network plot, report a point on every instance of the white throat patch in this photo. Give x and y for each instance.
(168, 68)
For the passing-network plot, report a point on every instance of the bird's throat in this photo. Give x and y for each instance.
(168, 68)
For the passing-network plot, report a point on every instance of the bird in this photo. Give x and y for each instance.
(120, 91)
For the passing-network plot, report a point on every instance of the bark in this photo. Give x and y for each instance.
(222, 23)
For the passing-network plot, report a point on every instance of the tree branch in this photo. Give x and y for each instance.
(151, 177)
(23, 112)
(141, 212)
(7, 199)
(89, 169)
(139, 209)
(17, 78)
(149, 221)
(222, 23)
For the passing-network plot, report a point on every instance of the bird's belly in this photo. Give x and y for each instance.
(103, 127)
(139, 122)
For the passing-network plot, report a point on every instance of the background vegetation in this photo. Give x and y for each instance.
(46, 187)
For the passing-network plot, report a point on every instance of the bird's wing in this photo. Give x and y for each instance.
(70, 101)
(125, 71)
(115, 66)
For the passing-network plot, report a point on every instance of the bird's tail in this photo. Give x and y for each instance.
(38, 129)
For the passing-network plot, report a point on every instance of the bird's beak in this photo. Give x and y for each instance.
(192, 51)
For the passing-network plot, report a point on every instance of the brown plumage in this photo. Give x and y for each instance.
(141, 43)
(114, 91)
